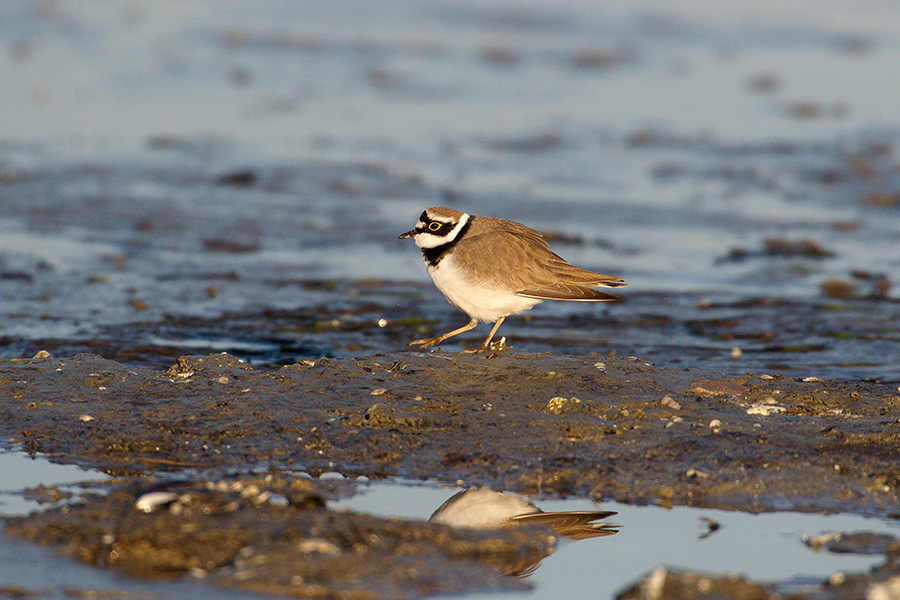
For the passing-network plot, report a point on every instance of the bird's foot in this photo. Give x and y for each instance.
(426, 343)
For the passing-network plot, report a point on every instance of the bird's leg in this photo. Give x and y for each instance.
(429, 342)
(490, 336)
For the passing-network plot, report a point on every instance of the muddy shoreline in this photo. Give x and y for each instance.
(614, 428)
(606, 428)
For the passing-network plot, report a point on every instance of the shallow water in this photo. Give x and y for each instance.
(193, 177)
(33, 570)
(765, 547)
(174, 161)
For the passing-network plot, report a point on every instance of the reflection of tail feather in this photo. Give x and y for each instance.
(576, 525)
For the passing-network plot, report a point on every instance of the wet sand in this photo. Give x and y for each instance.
(233, 438)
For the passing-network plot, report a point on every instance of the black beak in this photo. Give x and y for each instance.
(408, 234)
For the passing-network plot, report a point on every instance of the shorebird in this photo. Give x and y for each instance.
(492, 268)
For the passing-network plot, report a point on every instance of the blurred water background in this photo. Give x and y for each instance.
(193, 176)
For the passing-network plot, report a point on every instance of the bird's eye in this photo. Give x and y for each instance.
(434, 226)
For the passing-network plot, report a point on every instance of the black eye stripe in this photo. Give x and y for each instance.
(434, 255)
(444, 229)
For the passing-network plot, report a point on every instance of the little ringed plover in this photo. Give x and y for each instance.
(492, 268)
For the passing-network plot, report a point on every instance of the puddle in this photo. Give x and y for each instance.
(27, 569)
(23, 472)
(764, 547)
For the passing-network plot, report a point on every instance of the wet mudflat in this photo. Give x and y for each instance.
(617, 428)
(190, 178)
(611, 428)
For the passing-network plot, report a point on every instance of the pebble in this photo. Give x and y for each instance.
(153, 500)
(715, 424)
(85, 418)
(378, 392)
(670, 402)
(557, 405)
(810, 379)
(736, 352)
(249, 491)
(318, 546)
(764, 409)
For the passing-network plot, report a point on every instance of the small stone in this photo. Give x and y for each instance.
(717, 388)
(85, 418)
(250, 491)
(318, 546)
(558, 405)
(810, 379)
(715, 424)
(736, 352)
(764, 410)
(670, 402)
(222, 379)
(766, 376)
(378, 392)
(41, 354)
(600, 366)
(382, 322)
(153, 500)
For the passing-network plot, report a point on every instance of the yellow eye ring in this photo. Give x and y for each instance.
(433, 226)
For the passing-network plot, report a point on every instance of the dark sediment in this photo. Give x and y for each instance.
(614, 428)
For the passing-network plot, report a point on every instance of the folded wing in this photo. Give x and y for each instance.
(530, 268)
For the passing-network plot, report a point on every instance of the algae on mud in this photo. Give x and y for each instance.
(235, 533)
(752, 443)
(613, 428)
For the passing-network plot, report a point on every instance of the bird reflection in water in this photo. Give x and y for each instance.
(481, 508)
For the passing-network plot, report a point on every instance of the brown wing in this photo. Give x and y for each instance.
(529, 267)
(575, 525)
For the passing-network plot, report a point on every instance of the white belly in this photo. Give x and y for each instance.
(478, 301)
